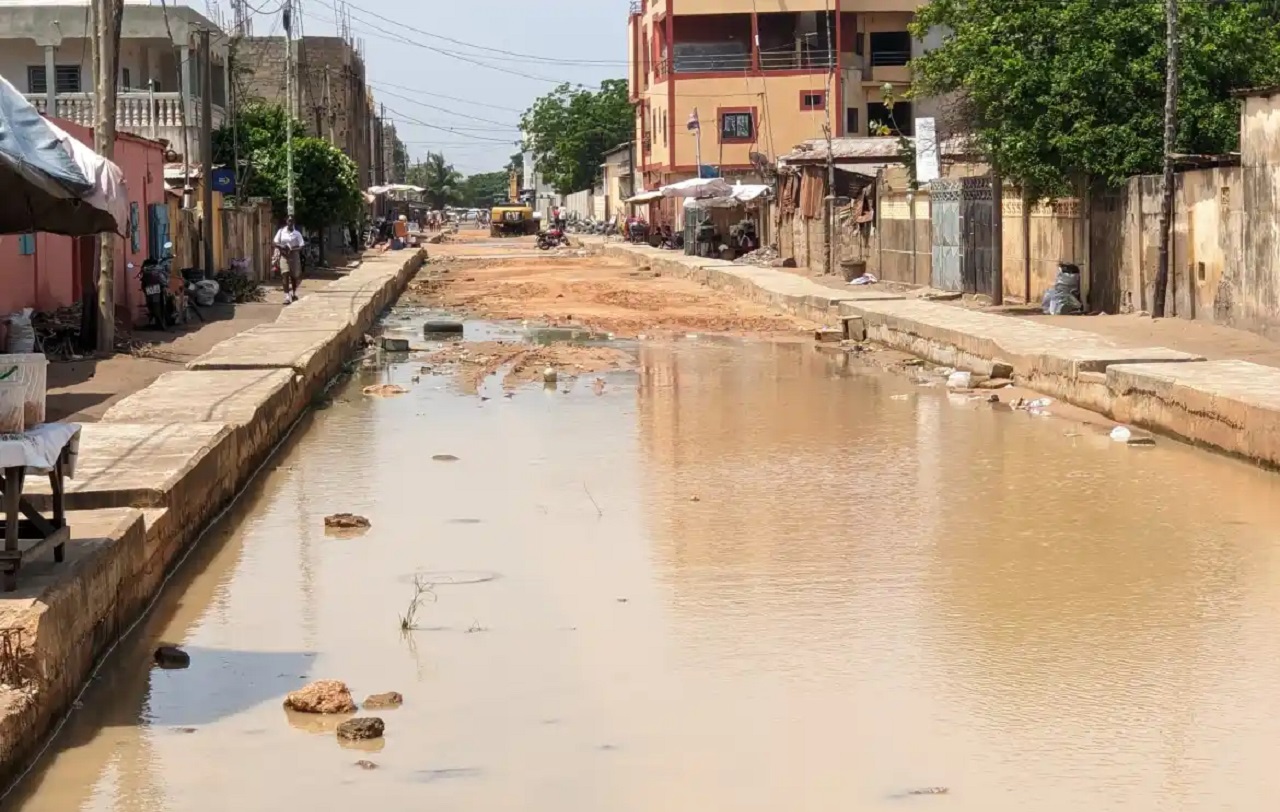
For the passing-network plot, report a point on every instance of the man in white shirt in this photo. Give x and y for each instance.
(289, 242)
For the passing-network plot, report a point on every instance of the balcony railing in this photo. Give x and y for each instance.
(146, 114)
(890, 59)
(797, 60)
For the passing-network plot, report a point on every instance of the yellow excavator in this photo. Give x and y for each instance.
(512, 217)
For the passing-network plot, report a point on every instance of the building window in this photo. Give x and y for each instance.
(126, 79)
(66, 79)
(664, 128)
(26, 245)
(135, 239)
(851, 121)
(737, 126)
(883, 121)
(813, 100)
(890, 49)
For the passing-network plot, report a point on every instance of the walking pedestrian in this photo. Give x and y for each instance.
(289, 242)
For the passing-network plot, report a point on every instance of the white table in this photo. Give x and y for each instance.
(49, 449)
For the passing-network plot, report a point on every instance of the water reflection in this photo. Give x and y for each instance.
(748, 577)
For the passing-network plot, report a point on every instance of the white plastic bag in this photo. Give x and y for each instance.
(960, 380)
(22, 336)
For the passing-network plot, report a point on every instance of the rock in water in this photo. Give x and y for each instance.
(361, 728)
(172, 657)
(323, 696)
(391, 699)
(346, 521)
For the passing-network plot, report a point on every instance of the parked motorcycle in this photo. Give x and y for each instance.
(552, 238)
(154, 277)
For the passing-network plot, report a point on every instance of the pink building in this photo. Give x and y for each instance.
(47, 271)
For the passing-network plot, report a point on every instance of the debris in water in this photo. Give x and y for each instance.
(549, 375)
(695, 498)
(322, 696)
(391, 699)
(444, 458)
(1040, 403)
(929, 791)
(993, 398)
(346, 521)
(361, 729)
(899, 397)
(959, 380)
(597, 386)
(1123, 434)
(390, 344)
(365, 764)
(384, 390)
(913, 362)
(172, 657)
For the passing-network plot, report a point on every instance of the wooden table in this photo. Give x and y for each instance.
(26, 538)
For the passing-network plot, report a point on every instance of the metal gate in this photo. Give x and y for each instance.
(977, 259)
(944, 202)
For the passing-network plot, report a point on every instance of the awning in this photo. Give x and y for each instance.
(395, 187)
(739, 195)
(52, 182)
(645, 197)
(698, 187)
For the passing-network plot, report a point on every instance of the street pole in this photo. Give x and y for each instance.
(1170, 135)
(288, 123)
(832, 232)
(997, 237)
(108, 16)
(206, 151)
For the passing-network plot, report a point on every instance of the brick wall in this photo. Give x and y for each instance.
(332, 99)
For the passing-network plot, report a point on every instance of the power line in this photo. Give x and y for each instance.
(411, 120)
(410, 99)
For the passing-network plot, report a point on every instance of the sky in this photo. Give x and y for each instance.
(576, 41)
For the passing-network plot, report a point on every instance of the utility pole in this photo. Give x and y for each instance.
(206, 150)
(1170, 135)
(107, 15)
(832, 249)
(288, 84)
(329, 111)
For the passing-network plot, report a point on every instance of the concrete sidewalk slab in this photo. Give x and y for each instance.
(315, 352)
(189, 468)
(1233, 406)
(257, 404)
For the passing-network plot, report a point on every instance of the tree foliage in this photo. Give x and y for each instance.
(1058, 89)
(479, 190)
(570, 129)
(326, 181)
(436, 175)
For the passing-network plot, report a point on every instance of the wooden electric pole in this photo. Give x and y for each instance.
(1170, 135)
(107, 17)
(206, 151)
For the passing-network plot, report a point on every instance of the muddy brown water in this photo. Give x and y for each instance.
(877, 589)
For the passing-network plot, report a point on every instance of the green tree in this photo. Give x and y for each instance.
(479, 190)
(570, 129)
(439, 178)
(1054, 91)
(326, 182)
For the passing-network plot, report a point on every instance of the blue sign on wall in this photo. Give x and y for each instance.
(224, 180)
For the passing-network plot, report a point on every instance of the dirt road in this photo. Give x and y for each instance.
(510, 279)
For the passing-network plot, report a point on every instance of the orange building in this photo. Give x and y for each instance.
(761, 75)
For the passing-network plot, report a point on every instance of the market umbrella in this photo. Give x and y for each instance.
(52, 182)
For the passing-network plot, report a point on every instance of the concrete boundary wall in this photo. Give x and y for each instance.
(1228, 406)
(154, 472)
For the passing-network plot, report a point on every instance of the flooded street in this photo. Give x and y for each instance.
(747, 576)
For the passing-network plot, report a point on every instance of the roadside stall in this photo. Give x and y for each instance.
(636, 226)
(728, 225)
(52, 183)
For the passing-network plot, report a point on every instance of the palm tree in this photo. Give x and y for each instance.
(438, 177)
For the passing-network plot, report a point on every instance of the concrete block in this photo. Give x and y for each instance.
(259, 405)
(854, 328)
(68, 614)
(190, 468)
(314, 352)
(1230, 405)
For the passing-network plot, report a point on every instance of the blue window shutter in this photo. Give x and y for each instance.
(26, 244)
(135, 243)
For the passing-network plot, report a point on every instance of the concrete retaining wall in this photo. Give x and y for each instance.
(151, 475)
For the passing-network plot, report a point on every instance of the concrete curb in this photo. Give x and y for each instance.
(158, 467)
(1229, 406)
